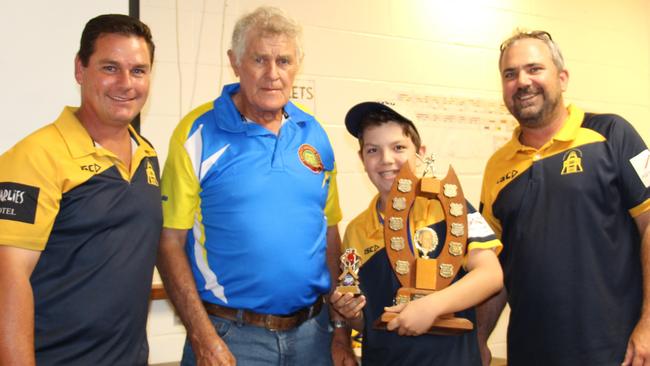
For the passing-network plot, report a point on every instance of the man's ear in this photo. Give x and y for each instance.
(78, 70)
(564, 79)
(233, 62)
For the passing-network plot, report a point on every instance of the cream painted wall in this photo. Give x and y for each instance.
(39, 42)
(372, 49)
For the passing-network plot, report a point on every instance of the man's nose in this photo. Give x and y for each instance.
(272, 71)
(523, 79)
(125, 78)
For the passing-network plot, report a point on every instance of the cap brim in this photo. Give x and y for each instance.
(357, 113)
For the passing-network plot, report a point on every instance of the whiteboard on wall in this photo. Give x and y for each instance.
(39, 41)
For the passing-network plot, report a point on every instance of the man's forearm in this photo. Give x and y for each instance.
(17, 304)
(638, 345)
(16, 326)
(487, 315)
(341, 342)
(333, 253)
(180, 286)
(176, 274)
(643, 224)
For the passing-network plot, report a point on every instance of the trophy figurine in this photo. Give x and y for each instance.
(418, 273)
(349, 278)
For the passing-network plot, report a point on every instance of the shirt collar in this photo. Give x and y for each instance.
(229, 119)
(568, 132)
(78, 140)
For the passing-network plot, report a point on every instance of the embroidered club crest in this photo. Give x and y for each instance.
(572, 162)
(310, 158)
(151, 175)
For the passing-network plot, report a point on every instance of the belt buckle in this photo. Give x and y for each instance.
(268, 324)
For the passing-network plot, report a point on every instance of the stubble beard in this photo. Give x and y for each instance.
(533, 116)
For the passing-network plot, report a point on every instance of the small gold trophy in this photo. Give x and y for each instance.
(418, 273)
(349, 278)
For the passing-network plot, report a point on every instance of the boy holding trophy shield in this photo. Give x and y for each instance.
(405, 294)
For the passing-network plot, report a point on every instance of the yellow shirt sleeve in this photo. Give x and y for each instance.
(180, 186)
(28, 172)
(332, 207)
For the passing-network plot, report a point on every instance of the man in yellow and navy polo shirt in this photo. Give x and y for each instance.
(569, 198)
(80, 215)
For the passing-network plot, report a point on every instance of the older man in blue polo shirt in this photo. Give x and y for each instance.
(250, 205)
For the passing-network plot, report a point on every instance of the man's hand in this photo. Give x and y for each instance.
(342, 354)
(638, 346)
(348, 305)
(213, 353)
(174, 268)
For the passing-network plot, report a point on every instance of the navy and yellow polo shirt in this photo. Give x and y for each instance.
(97, 226)
(258, 205)
(565, 214)
(379, 284)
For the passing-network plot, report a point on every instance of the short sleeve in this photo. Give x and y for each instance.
(634, 166)
(332, 207)
(30, 194)
(179, 187)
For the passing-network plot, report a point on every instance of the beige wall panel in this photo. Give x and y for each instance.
(589, 13)
(466, 23)
(358, 50)
(608, 84)
(390, 59)
(165, 89)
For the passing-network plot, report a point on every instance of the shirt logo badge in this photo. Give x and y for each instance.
(151, 175)
(93, 168)
(508, 175)
(572, 162)
(371, 249)
(641, 164)
(18, 202)
(310, 158)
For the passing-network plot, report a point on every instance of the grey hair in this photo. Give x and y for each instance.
(543, 36)
(266, 20)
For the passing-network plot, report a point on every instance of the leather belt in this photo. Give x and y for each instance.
(268, 321)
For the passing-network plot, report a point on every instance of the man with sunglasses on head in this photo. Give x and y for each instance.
(569, 198)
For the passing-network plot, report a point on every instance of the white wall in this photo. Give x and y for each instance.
(39, 41)
(418, 50)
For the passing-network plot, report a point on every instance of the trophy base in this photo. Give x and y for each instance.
(444, 325)
(349, 289)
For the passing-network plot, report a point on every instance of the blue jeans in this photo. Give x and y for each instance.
(309, 344)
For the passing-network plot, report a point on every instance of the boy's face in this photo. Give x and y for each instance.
(385, 149)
